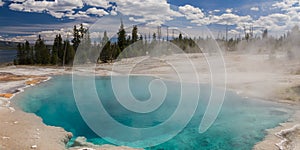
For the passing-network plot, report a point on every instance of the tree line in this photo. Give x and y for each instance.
(62, 52)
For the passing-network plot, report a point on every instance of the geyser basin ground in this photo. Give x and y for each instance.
(241, 123)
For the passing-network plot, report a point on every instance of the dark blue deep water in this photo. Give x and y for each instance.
(241, 123)
(7, 55)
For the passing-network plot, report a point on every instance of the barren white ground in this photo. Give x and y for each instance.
(249, 75)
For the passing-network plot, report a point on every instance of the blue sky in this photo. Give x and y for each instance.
(24, 19)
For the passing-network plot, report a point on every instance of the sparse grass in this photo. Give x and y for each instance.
(297, 72)
(291, 94)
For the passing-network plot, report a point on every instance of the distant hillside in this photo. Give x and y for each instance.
(6, 45)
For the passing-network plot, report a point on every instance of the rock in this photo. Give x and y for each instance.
(86, 149)
(33, 147)
(5, 138)
(12, 109)
(67, 137)
(81, 142)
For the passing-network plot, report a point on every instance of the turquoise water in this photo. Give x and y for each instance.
(240, 124)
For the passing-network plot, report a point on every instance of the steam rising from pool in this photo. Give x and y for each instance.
(241, 123)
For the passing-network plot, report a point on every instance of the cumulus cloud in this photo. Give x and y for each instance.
(191, 13)
(98, 3)
(291, 9)
(55, 8)
(254, 8)
(198, 17)
(157, 12)
(228, 10)
(95, 11)
(79, 14)
(153, 12)
(273, 22)
(230, 19)
(286, 4)
(278, 23)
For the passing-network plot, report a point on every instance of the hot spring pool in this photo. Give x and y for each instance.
(240, 124)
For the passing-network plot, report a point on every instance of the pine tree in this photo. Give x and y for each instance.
(27, 53)
(78, 35)
(31, 54)
(18, 60)
(42, 54)
(45, 54)
(69, 54)
(106, 53)
(265, 34)
(134, 34)
(105, 38)
(86, 47)
(115, 51)
(37, 50)
(55, 49)
(82, 31)
(122, 37)
(180, 37)
(76, 38)
(141, 38)
(60, 49)
(154, 37)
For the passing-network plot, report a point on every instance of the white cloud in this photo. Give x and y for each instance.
(286, 4)
(1, 3)
(157, 12)
(55, 8)
(254, 8)
(277, 23)
(56, 14)
(142, 11)
(290, 8)
(191, 13)
(95, 11)
(228, 10)
(198, 17)
(147, 11)
(97, 3)
(79, 14)
(230, 19)
(17, 1)
(194, 14)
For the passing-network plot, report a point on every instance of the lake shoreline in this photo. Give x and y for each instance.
(272, 140)
(7, 56)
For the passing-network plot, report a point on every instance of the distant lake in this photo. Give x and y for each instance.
(7, 55)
